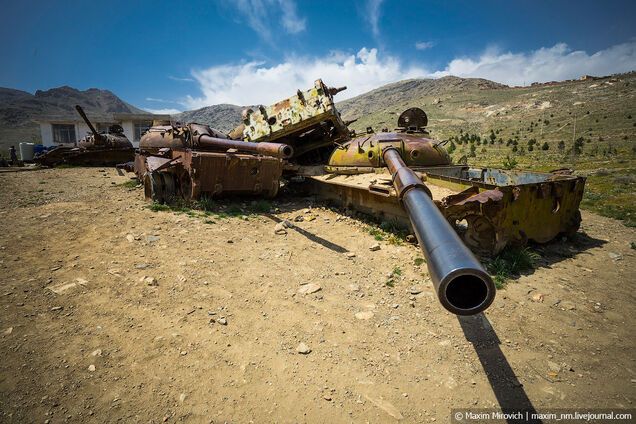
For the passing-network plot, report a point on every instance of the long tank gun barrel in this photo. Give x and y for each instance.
(462, 285)
(278, 150)
(85, 118)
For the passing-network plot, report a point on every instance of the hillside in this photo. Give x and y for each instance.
(19, 110)
(223, 117)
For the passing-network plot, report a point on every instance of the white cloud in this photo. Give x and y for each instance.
(545, 64)
(423, 45)
(180, 79)
(256, 83)
(373, 15)
(167, 111)
(290, 19)
(260, 14)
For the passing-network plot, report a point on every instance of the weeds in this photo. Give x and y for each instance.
(158, 207)
(419, 261)
(511, 262)
(132, 183)
(397, 272)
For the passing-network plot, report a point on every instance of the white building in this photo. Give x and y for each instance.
(68, 130)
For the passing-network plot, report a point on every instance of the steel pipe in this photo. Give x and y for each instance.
(278, 150)
(462, 284)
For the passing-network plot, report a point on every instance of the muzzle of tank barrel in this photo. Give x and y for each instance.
(462, 284)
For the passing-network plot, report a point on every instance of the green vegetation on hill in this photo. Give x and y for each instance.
(589, 126)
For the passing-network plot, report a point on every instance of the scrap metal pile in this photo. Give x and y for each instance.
(391, 174)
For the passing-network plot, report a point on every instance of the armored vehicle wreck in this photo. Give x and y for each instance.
(96, 149)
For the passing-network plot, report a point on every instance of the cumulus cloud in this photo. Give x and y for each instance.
(423, 45)
(554, 63)
(259, 14)
(256, 83)
(373, 11)
(260, 83)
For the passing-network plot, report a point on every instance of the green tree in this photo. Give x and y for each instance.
(545, 146)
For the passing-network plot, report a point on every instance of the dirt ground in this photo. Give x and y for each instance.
(113, 312)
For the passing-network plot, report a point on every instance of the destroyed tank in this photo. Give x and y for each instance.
(401, 175)
(96, 149)
(194, 160)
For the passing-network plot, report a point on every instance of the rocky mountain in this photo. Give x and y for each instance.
(223, 117)
(19, 110)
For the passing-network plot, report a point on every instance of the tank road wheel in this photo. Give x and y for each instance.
(169, 186)
(480, 236)
(153, 187)
(185, 185)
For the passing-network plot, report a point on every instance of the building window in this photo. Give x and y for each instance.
(64, 133)
(140, 128)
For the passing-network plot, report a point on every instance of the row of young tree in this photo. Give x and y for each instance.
(474, 140)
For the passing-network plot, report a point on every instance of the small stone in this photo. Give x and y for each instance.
(615, 256)
(222, 321)
(364, 315)
(303, 349)
(230, 241)
(538, 297)
(299, 218)
(350, 255)
(8, 331)
(353, 287)
(151, 281)
(415, 290)
(395, 305)
(327, 398)
(152, 238)
(374, 247)
(96, 352)
(91, 368)
(182, 397)
(130, 238)
(279, 229)
(141, 266)
(566, 304)
(411, 238)
(183, 353)
(309, 288)
(57, 308)
(554, 367)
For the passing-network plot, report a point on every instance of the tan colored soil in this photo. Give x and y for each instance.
(112, 346)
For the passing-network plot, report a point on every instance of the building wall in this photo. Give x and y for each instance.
(46, 131)
(129, 132)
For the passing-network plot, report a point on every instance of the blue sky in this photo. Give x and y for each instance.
(162, 55)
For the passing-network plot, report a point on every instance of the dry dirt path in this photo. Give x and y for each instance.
(111, 346)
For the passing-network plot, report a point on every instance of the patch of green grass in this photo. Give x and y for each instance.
(132, 183)
(396, 271)
(209, 221)
(206, 204)
(632, 245)
(158, 207)
(390, 283)
(511, 262)
(261, 206)
(419, 261)
(376, 233)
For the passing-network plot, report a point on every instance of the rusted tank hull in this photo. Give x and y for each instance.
(490, 208)
(84, 157)
(192, 174)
